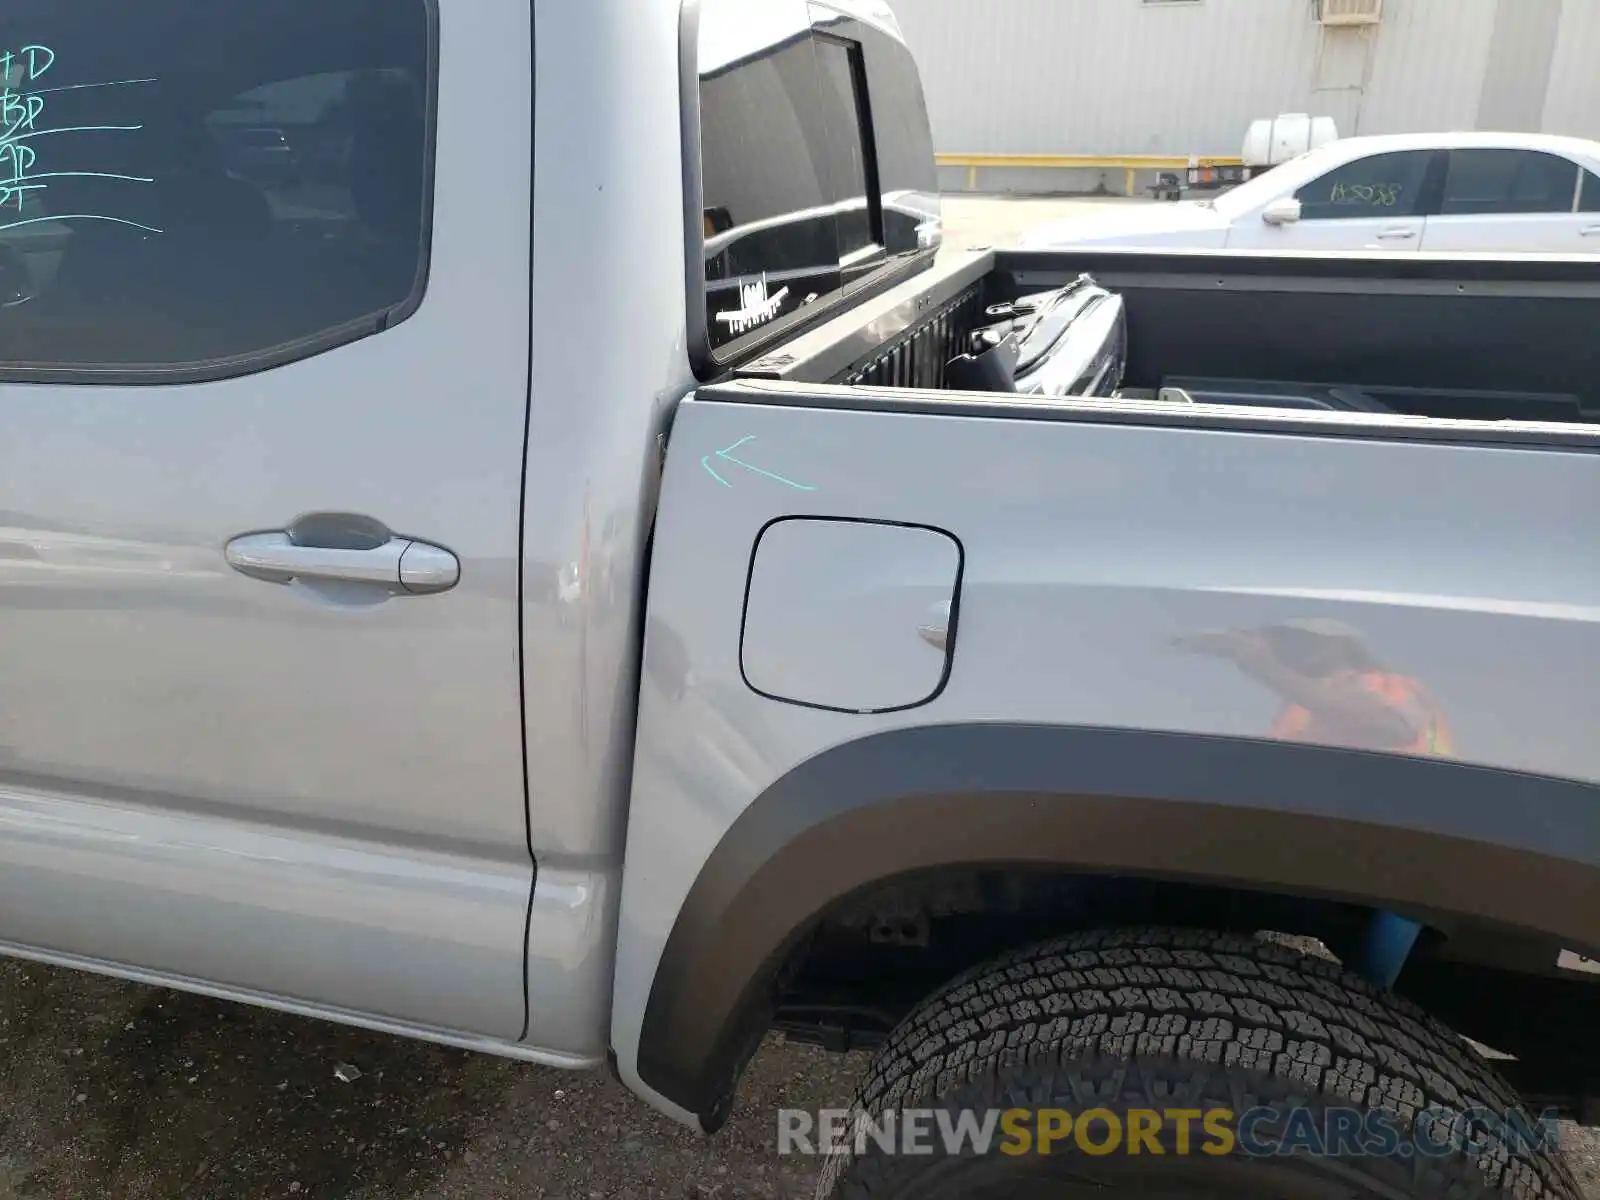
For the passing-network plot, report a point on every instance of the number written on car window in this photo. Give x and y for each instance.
(1372, 195)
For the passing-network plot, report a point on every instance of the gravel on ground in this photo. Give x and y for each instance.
(117, 1090)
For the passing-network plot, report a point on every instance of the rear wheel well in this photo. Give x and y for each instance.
(864, 963)
(868, 961)
(1256, 834)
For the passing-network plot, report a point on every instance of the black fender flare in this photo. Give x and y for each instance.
(1521, 851)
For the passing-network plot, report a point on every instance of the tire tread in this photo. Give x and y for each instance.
(1301, 1026)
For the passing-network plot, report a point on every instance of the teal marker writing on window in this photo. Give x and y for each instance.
(20, 109)
(23, 107)
(30, 63)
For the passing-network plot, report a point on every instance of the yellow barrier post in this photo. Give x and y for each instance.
(1130, 164)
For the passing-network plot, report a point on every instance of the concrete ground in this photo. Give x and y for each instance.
(974, 221)
(120, 1091)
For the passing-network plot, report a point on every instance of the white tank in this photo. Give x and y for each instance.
(1274, 140)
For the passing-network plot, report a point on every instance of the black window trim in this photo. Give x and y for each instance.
(703, 359)
(267, 359)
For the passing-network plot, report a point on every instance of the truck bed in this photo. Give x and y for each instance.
(894, 629)
(1456, 338)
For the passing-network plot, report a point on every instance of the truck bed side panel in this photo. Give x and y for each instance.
(1096, 543)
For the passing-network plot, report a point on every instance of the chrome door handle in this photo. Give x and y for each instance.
(401, 565)
(1397, 235)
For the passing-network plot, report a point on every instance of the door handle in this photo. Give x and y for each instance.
(1589, 231)
(399, 565)
(1397, 235)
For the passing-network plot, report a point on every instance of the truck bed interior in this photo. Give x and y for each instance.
(1454, 338)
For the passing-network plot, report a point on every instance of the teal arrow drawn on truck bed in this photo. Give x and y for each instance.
(727, 456)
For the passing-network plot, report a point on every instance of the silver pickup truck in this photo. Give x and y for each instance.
(517, 580)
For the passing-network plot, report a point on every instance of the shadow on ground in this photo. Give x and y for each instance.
(121, 1091)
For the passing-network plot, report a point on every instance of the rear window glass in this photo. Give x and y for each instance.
(1487, 182)
(816, 164)
(840, 74)
(193, 184)
(769, 199)
(902, 142)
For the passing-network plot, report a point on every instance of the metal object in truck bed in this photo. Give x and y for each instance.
(1068, 342)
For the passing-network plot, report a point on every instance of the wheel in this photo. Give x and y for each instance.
(1300, 1081)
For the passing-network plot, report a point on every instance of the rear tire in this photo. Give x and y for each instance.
(1165, 1019)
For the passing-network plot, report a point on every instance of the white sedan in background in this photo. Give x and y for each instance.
(1470, 192)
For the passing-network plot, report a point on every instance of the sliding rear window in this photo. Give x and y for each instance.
(815, 167)
(849, 169)
(904, 176)
(768, 166)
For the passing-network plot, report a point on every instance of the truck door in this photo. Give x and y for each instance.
(261, 417)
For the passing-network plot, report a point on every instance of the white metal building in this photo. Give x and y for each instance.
(1182, 77)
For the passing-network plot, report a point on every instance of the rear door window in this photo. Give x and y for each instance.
(207, 188)
(1503, 182)
(1380, 185)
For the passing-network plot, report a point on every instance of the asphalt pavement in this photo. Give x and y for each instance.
(117, 1090)
(113, 1090)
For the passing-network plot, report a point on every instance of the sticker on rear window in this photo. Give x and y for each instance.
(756, 307)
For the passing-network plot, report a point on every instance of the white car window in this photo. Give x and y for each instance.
(1589, 202)
(1380, 185)
(1500, 182)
